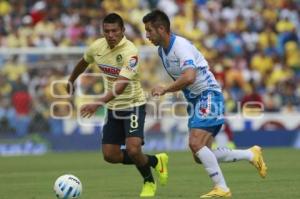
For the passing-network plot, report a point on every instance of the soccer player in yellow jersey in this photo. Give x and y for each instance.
(117, 58)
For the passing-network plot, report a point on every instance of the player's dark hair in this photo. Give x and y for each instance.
(158, 18)
(114, 18)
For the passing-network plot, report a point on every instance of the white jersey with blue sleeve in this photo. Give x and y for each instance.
(181, 55)
(206, 103)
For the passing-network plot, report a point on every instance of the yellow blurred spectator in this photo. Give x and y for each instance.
(284, 25)
(6, 87)
(230, 103)
(267, 38)
(5, 8)
(112, 6)
(292, 55)
(240, 24)
(26, 29)
(183, 25)
(44, 27)
(269, 15)
(148, 76)
(13, 70)
(278, 74)
(129, 4)
(13, 40)
(16, 40)
(261, 63)
(233, 76)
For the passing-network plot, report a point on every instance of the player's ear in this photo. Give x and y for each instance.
(161, 29)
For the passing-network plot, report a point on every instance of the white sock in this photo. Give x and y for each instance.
(229, 155)
(211, 166)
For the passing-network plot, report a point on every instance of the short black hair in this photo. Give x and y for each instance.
(114, 18)
(158, 18)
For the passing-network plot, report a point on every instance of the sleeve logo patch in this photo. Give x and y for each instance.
(133, 61)
(188, 62)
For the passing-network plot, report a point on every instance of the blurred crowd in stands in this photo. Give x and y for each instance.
(253, 47)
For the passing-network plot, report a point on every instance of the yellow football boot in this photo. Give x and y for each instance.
(148, 190)
(162, 167)
(258, 161)
(217, 192)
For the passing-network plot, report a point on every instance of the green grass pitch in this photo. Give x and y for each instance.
(32, 177)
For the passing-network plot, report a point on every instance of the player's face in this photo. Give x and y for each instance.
(152, 34)
(113, 33)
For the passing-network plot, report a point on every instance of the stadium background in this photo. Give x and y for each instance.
(252, 47)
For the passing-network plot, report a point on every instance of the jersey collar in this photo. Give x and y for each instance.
(172, 39)
(123, 40)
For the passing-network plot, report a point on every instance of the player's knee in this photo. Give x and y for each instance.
(110, 158)
(195, 146)
(133, 151)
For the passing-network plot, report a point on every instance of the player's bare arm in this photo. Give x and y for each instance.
(79, 68)
(120, 85)
(186, 78)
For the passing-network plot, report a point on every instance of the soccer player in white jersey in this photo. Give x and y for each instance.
(190, 72)
(117, 58)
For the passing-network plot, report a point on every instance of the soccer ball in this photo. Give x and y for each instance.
(67, 187)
